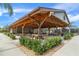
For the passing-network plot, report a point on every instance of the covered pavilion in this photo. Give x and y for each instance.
(39, 18)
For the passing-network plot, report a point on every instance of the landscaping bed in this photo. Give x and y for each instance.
(40, 46)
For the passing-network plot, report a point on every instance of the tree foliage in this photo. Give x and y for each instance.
(8, 7)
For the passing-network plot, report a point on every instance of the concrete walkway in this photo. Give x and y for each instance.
(8, 47)
(70, 49)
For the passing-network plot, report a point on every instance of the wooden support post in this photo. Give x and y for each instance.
(69, 30)
(22, 30)
(11, 30)
(61, 34)
(16, 31)
(48, 31)
(60, 31)
(40, 24)
(39, 28)
(39, 32)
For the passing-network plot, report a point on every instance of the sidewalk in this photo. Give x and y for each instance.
(70, 49)
(8, 47)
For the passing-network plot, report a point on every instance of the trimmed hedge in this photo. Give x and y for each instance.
(40, 46)
(10, 35)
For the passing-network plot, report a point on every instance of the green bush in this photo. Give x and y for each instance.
(40, 46)
(22, 40)
(71, 34)
(52, 41)
(28, 43)
(10, 35)
(68, 36)
(37, 46)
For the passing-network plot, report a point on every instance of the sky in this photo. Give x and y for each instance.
(22, 9)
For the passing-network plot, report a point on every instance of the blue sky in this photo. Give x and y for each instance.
(21, 9)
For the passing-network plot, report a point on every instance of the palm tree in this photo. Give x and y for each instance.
(8, 7)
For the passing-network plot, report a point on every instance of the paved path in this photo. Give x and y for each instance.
(70, 49)
(9, 47)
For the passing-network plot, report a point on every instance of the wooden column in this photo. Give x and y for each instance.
(61, 34)
(22, 30)
(39, 31)
(16, 31)
(60, 31)
(48, 31)
(39, 28)
(11, 30)
(69, 30)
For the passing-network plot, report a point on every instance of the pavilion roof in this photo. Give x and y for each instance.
(38, 15)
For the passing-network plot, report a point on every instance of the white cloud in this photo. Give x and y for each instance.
(0, 13)
(18, 10)
(67, 7)
(1, 26)
(73, 18)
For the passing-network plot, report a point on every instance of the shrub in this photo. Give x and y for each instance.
(36, 46)
(71, 34)
(67, 36)
(28, 43)
(22, 40)
(40, 46)
(52, 41)
(10, 35)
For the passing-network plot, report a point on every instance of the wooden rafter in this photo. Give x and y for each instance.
(34, 20)
(45, 19)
